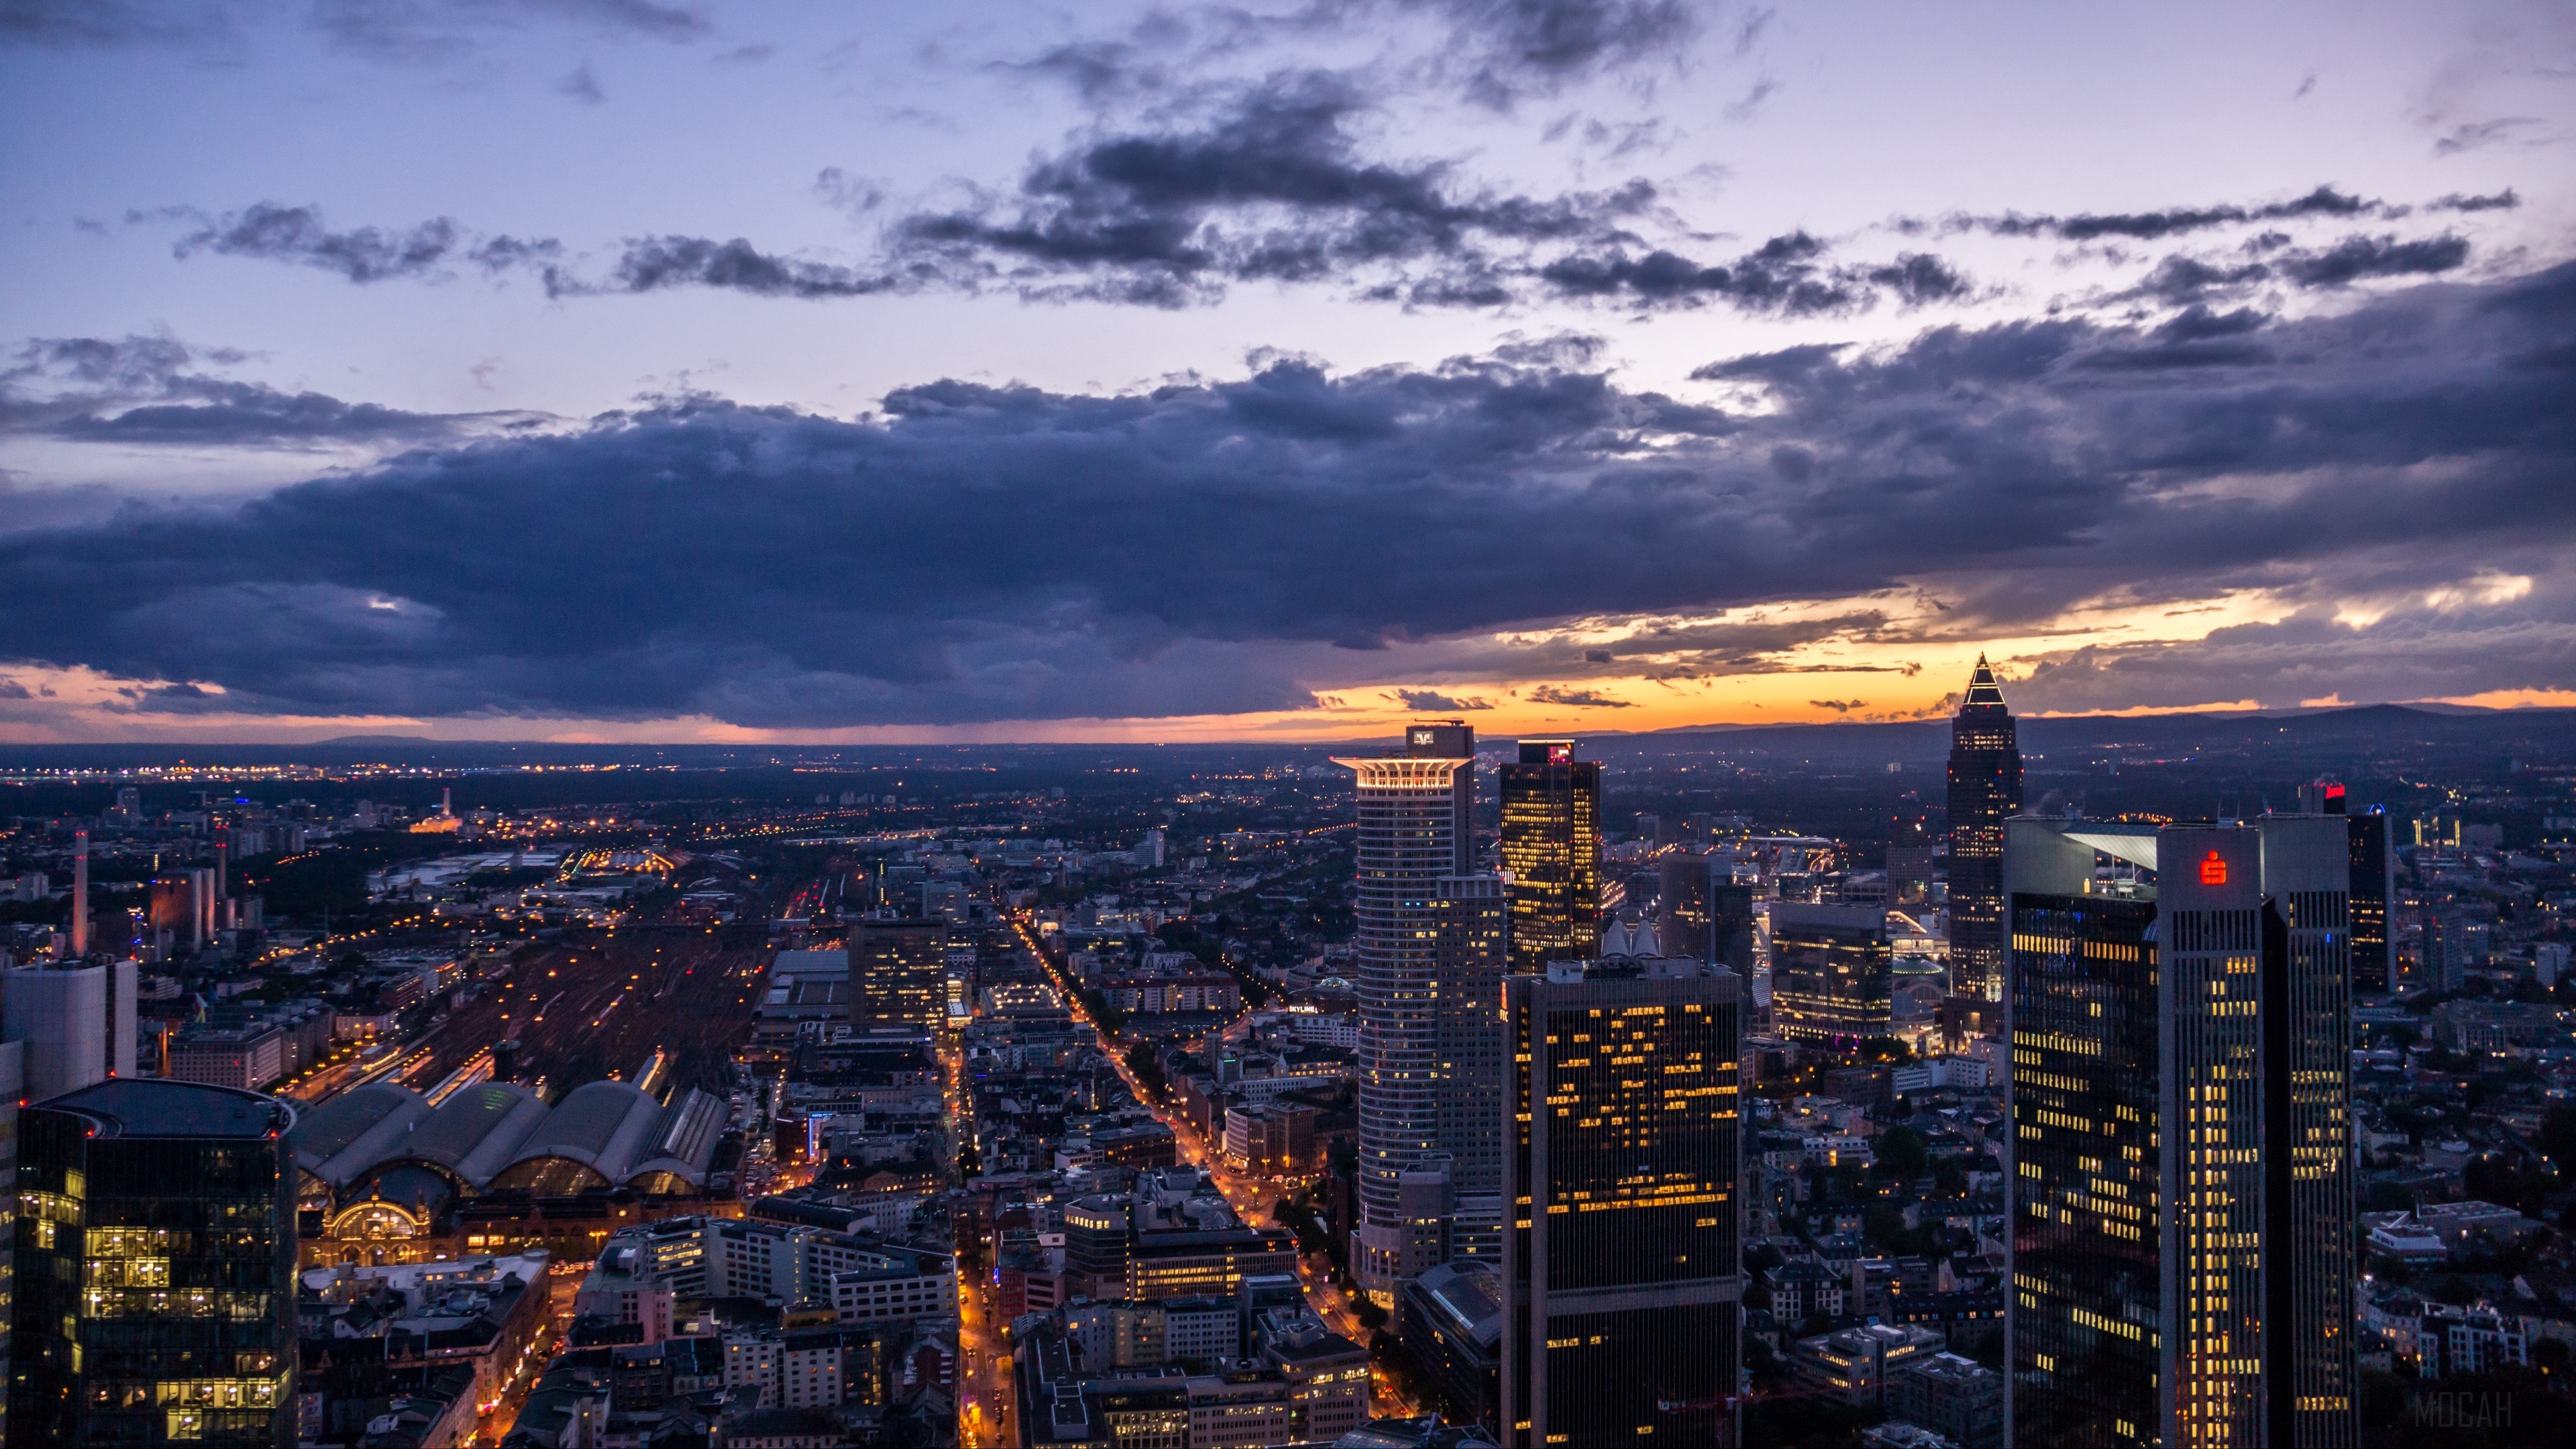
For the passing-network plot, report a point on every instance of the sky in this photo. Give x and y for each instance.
(857, 372)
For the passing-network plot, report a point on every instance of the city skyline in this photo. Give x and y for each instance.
(706, 372)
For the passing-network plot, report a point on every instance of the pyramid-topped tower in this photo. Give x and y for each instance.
(1985, 790)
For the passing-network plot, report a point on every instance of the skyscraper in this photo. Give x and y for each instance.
(898, 973)
(1621, 1252)
(2373, 858)
(12, 1083)
(1424, 919)
(1832, 973)
(1470, 925)
(156, 1256)
(1985, 791)
(1551, 843)
(2183, 1253)
(1701, 911)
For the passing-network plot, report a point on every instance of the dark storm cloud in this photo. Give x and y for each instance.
(2359, 257)
(1495, 52)
(388, 30)
(1507, 49)
(1578, 698)
(1271, 187)
(655, 263)
(1790, 275)
(154, 391)
(2183, 280)
(114, 23)
(989, 552)
(2325, 201)
(434, 31)
(298, 234)
(2423, 653)
(246, 414)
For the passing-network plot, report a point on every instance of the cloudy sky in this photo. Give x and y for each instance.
(622, 369)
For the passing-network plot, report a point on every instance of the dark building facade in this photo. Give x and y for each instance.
(1470, 922)
(1985, 791)
(2374, 885)
(1699, 915)
(156, 1268)
(1622, 1262)
(2235, 1091)
(2372, 857)
(1551, 845)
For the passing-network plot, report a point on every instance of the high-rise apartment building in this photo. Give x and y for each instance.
(1985, 791)
(898, 973)
(1425, 952)
(156, 1268)
(2182, 1252)
(1551, 845)
(1621, 1252)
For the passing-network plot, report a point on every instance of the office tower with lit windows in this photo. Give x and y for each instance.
(1700, 911)
(2183, 1247)
(1621, 1256)
(156, 1268)
(1985, 791)
(1832, 973)
(898, 973)
(1551, 845)
(1424, 950)
(2373, 858)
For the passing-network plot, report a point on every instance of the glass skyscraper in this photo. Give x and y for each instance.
(1985, 791)
(1551, 846)
(2180, 1100)
(1621, 1253)
(156, 1268)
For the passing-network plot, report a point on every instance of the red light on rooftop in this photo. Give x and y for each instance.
(2213, 871)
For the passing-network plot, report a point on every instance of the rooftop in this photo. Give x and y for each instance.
(160, 1107)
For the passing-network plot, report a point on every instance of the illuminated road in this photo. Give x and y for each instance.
(1253, 1199)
